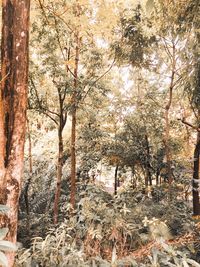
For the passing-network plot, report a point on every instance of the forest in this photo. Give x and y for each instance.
(100, 133)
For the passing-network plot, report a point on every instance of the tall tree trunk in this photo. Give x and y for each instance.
(7, 71)
(166, 138)
(6, 89)
(167, 147)
(148, 165)
(116, 180)
(73, 130)
(196, 178)
(59, 173)
(14, 93)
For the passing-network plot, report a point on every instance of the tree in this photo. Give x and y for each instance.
(69, 36)
(14, 73)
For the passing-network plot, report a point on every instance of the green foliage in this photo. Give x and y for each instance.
(4, 244)
(134, 44)
(104, 230)
(3, 209)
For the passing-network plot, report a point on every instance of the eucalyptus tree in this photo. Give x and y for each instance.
(13, 100)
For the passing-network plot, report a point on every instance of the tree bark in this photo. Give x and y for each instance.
(59, 173)
(7, 71)
(196, 178)
(14, 60)
(2, 153)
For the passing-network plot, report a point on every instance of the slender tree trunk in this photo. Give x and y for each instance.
(26, 190)
(59, 174)
(167, 147)
(148, 165)
(196, 178)
(14, 93)
(157, 176)
(73, 130)
(116, 180)
(29, 149)
(166, 138)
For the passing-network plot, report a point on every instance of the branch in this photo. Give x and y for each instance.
(42, 109)
(189, 124)
(43, 11)
(46, 114)
(59, 16)
(100, 77)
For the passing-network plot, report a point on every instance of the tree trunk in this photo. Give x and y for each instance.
(73, 130)
(167, 147)
(7, 53)
(196, 180)
(116, 180)
(148, 165)
(59, 174)
(14, 92)
(166, 116)
(157, 176)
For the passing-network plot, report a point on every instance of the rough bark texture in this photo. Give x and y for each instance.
(7, 71)
(14, 94)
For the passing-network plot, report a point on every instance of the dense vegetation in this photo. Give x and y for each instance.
(111, 159)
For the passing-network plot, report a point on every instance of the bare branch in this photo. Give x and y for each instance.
(189, 124)
(43, 109)
(43, 11)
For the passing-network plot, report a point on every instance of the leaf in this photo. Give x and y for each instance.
(70, 63)
(149, 6)
(185, 264)
(3, 208)
(3, 260)
(193, 263)
(7, 246)
(3, 233)
(114, 255)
